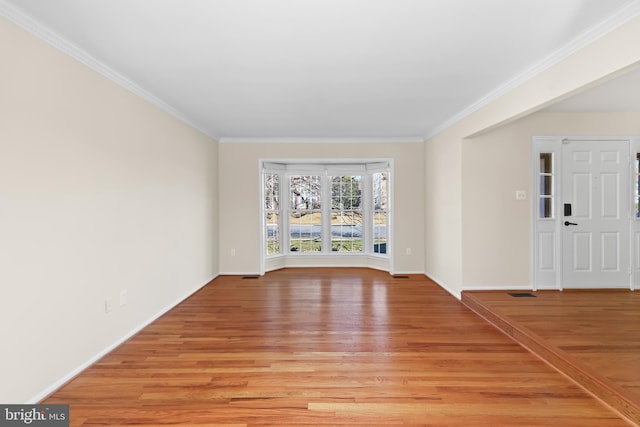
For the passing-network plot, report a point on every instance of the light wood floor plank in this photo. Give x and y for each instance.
(593, 336)
(353, 347)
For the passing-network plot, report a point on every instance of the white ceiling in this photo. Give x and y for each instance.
(311, 69)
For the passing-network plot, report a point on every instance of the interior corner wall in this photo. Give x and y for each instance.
(496, 227)
(240, 196)
(443, 210)
(100, 192)
(466, 199)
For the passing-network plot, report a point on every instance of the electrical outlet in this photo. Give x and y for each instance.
(233, 252)
(521, 195)
(108, 305)
(408, 251)
(123, 297)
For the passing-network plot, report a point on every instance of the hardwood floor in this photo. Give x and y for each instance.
(325, 347)
(591, 336)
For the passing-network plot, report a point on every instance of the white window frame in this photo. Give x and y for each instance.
(326, 257)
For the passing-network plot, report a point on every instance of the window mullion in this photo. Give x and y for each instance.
(325, 197)
(285, 208)
(367, 214)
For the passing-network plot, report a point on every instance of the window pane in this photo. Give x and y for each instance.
(380, 232)
(380, 206)
(546, 198)
(546, 162)
(346, 232)
(272, 213)
(273, 233)
(346, 214)
(305, 192)
(546, 185)
(271, 191)
(305, 220)
(305, 229)
(546, 207)
(380, 191)
(345, 192)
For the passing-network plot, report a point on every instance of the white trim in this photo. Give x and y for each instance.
(391, 195)
(526, 287)
(68, 377)
(270, 166)
(367, 212)
(551, 144)
(57, 41)
(325, 212)
(634, 263)
(333, 261)
(321, 140)
(329, 166)
(241, 273)
(454, 293)
(403, 272)
(556, 142)
(325, 168)
(262, 220)
(273, 264)
(625, 14)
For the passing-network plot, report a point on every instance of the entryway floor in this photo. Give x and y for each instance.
(593, 336)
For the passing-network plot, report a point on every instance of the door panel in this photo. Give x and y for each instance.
(582, 199)
(595, 176)
(610, 251)
(582, 250)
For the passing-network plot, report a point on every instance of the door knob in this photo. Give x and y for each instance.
(569, 223)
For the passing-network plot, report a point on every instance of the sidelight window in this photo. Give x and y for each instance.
(546, 177)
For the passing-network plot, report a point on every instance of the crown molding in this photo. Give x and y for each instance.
(622, 16)
(49, 36)
(13, 14)
(325, 140)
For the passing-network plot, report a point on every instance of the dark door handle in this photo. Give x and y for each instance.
(569, 223)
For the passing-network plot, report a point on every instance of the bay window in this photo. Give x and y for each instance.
(328, 208)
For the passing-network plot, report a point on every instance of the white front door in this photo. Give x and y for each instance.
(595, 213)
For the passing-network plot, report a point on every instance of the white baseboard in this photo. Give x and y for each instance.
(408, 272)
(68, 377)
(498, 288)
(243, 273)
(456, 294)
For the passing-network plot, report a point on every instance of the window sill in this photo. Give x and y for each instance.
(380, 262)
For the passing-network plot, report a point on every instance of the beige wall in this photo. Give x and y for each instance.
(240, 200)
(443, 201)
(496, 228)
(99, 192)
